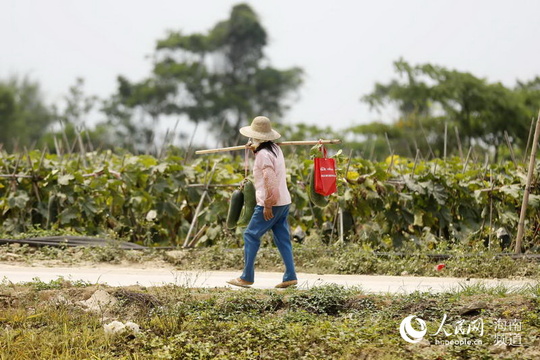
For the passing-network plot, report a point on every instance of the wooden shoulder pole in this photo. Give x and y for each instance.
(242, 147)
(225, 149)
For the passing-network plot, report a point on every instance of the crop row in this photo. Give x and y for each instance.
(154, 201)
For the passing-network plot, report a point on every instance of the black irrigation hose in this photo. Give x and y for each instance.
(72, 241)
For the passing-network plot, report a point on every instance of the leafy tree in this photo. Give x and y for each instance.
(123, 131)
(220, 78)
(73, 129)
(78, 105)
(431, 99)
(24, 116)
(411, 97)
(133, 113)
(484, 112)
(529, 92)
(372, 140)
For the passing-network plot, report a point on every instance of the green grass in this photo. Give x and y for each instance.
(327, 322)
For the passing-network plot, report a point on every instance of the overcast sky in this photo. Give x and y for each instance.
(344, 46)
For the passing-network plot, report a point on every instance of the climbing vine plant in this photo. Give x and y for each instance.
(153, 201)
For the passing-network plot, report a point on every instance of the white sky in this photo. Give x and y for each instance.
(344, 46)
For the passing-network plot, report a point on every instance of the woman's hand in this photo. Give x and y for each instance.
(268, 213)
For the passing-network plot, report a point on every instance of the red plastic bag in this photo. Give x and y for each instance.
(325, 174)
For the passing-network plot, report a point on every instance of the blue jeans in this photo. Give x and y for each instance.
(256, 228)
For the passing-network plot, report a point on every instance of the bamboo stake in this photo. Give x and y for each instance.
(199, 206)
(528, 140)
(81, 148)
(458, 143)
(391, 153)
(197, 236)
(445, 139)
(427, 141)
(16, 176)
(57, 147)
(341, 235)
(190, 145)
(509, 144)
(521, 224)
(88, 140)
(372, 149)
(340, 210)
(467, 160)
(242, 147)
(416, 158)
(33, 175)
(212, 185)
(490, 194)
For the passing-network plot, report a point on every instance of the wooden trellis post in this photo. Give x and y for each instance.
(521, 225)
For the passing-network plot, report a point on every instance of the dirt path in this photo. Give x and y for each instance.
(154, 276)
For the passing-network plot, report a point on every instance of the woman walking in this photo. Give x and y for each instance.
(273, 202)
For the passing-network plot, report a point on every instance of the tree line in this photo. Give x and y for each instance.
(221, 79)
(445, 112)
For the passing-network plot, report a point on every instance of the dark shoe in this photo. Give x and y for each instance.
(240, 282)
(287, 284)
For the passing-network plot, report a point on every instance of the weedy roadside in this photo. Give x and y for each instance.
(82, 320)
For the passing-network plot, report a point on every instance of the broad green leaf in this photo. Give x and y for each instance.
(439, 193)
(348, 195)
(413, 185)
(160, 168)
(65, 179)
(18, 200)
(514, 190)
(89, 207)
(534, 201)
(147, 161)
(68, 214)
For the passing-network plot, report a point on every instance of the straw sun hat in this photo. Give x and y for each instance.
(261, 129)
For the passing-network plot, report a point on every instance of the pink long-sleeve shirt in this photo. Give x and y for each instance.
(274, 168)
